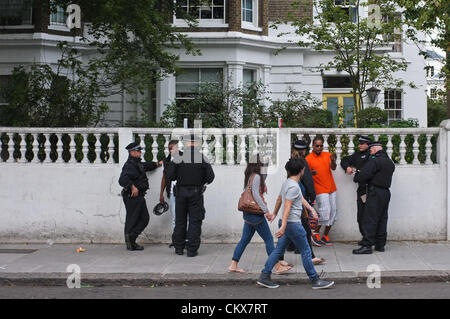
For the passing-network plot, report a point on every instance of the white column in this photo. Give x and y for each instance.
(165, 94)
(125, 138)
(265, 79)
(235, 78)
(444, 152)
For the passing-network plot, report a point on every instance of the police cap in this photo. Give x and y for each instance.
(364, 140)
(300, 145)
(134, 147)
(375, 144)
(161, 208)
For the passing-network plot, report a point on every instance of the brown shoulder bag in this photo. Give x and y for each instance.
(247, 203)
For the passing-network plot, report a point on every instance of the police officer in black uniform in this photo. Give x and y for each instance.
(355, 162)
(377, 173)
(134, 181)
(191, 171)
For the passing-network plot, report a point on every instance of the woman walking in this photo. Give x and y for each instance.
(291, 229)
(255, 222)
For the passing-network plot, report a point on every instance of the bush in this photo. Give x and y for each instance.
(371, 117)
(404, 123)
(436, 112)
(299, 110)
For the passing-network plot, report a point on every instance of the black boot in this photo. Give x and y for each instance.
(135, 246)
(363, 250)
(128, 242)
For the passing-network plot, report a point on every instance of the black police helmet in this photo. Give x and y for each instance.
(161, 208)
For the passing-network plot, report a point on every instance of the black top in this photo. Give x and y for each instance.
(308, 182)
(133, 173)
(378, 171)
(190, 169)
(357, 160)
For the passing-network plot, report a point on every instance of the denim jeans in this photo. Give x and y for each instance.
(252, 223)
(297, 234)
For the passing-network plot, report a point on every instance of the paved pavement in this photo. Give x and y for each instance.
(158, 264)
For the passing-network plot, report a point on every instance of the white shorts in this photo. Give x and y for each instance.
(327, 208)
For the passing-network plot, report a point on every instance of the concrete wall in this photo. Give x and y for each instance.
(81, 202)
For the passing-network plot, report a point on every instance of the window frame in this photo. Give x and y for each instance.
(205, 23)
(221, 68)
(396, 44)
(395, 100)
(27, 24)
(254, 25)
(353, 10)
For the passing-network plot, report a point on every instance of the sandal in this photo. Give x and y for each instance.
(238, 270)
(318, 261)
(285, 263)
(281, 270)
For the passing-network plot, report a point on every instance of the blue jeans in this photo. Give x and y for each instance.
(252, 223)
(297, 234)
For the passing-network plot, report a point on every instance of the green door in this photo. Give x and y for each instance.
(349, 109)
(332, 106)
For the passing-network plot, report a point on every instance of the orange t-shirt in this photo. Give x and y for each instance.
(323, 180)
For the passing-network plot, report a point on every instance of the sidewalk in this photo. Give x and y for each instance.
(158, 264)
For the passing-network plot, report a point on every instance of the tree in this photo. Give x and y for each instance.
(359, 44)
(431, 16)
(132, 40)
(42, 96)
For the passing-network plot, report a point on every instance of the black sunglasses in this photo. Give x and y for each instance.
(318, 145)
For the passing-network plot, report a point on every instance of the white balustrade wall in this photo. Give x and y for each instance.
(62, 184)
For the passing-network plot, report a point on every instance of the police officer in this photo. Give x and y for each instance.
(134, 181)
(191, 171)
(355, 162)
(377, 173)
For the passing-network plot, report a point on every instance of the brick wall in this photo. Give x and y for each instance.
(279, 9)
(234, 18)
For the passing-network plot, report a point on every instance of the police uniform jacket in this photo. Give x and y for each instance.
(133, 173)
(190, 169)
(377, 171)
(357, 160)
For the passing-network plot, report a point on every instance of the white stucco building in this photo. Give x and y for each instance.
(237, 46)
(435, 77)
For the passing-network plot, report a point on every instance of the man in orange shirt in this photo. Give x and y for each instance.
(321, 163)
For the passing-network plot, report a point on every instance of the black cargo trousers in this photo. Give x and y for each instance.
(189, 206)
(360, 207)
(375, 217)
(137, 217)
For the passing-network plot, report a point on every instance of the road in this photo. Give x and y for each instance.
(347, 291)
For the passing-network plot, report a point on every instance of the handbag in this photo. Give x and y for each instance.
(247, 203)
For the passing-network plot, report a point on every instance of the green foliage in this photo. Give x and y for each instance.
(436, 112)
(298, 110)
(433, 18)
(372, 117)
(134, 40)
(245, 107)
(42, 96)
(404, 123)
(214, 105)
